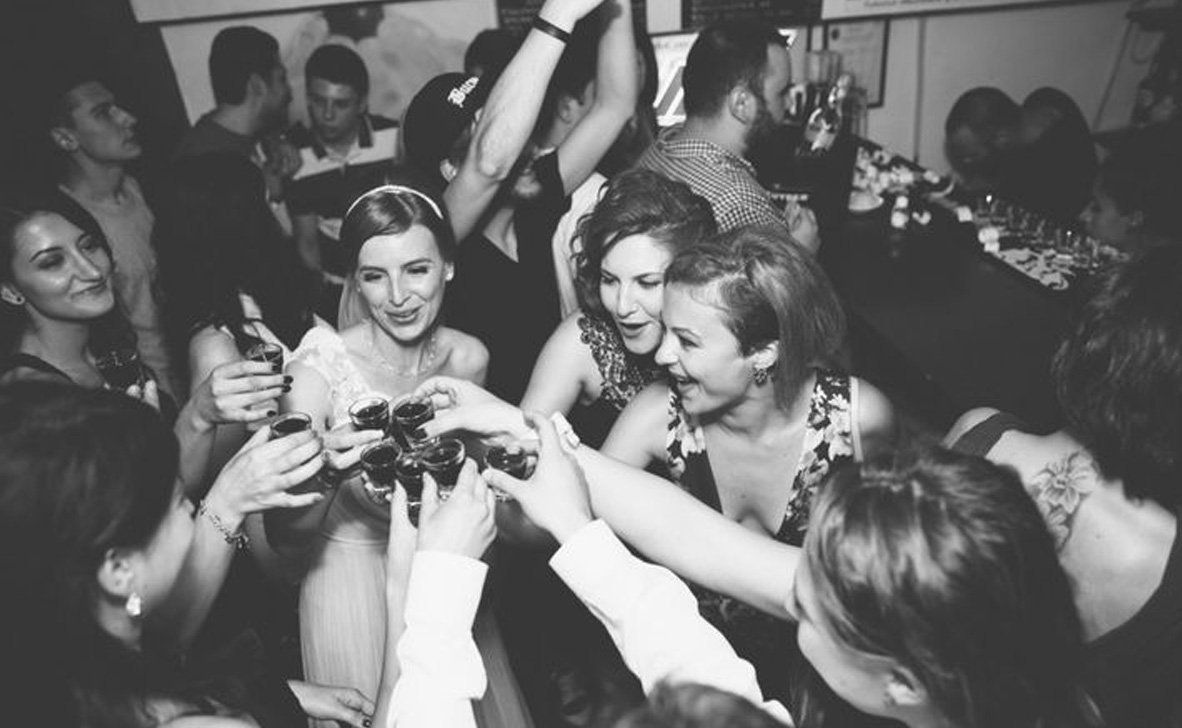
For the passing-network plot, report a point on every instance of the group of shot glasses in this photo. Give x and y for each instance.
(1082, 251)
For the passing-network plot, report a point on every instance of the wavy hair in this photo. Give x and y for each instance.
(768, 288)
(1118, 376)
(941, 562)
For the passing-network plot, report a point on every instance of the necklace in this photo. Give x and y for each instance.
(425, 360)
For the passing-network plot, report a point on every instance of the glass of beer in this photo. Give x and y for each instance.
(268, 354)
(410, 415)
(120, 368)
(370, 413)
(443, 459)
(290, 424)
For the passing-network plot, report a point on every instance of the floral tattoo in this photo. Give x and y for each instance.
(1060, 488)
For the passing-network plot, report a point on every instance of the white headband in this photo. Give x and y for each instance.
(399, 189)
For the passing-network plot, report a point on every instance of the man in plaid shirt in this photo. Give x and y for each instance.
(736, 80)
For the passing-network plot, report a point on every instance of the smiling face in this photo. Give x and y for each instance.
(335, 110)
(59, 271)
(702, 356)
(631, 282)
(401, 277)
(98, 127)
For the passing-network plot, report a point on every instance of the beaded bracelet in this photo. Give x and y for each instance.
(237, 539)
(551, 29)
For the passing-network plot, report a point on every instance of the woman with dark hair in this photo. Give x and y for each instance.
(97, 537)
(598, 359)
(400, 247)
(1134, 203)
(929, 594)
(750, 422)
(1108, 484)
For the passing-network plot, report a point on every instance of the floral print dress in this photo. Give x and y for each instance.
(768, 643)
(624, 375)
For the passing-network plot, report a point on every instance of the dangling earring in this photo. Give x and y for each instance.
(134, 606)
(761, 375)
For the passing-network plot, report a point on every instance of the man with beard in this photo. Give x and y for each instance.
(505, 202)
(736, 81)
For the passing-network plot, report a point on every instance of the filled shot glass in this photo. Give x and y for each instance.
(267, 354)
(120, 368)
(512, 460)
(379, 462)
(290, 424)
(409, 470)
(443, 460)
(410, 415)
(370, 413)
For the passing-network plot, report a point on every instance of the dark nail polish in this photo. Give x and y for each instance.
(286, 388)
(271, 413)
(287, 379)
(367, 723)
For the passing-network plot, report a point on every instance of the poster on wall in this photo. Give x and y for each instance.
(516, 15)
(832, 9)
(696, 14)
(403, 44)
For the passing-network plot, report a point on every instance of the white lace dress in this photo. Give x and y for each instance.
(342, 600)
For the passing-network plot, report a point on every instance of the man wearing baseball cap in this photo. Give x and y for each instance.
(505, 204)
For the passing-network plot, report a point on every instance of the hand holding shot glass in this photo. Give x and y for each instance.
(463, 524)
(120, 368)
(410, 415)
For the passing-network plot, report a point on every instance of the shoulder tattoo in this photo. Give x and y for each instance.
(1060, 488)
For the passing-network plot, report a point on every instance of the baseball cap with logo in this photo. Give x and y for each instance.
(438, 115)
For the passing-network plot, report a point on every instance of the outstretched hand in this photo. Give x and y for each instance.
(461, 406)
(555, 497)
(463, 524)
(234, 392)
(258, 476)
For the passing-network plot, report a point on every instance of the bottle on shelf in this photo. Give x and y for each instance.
(827, 120)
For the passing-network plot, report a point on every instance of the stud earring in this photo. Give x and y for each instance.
(16, 299)
(134, 606)
(761, 374)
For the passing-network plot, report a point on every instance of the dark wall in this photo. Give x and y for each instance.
(44, 40)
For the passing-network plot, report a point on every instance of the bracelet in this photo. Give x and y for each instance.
(237, 539)
(551, 29)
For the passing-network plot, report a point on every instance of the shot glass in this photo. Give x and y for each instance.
(410, 415)
(379, 463)
(409, 471)
(512, 460)
(443, 460)
(268, 354)
(120, 368)
(290, 424)
(370, 413)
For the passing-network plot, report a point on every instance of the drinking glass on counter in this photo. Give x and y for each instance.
(120, 368)
(443, 459)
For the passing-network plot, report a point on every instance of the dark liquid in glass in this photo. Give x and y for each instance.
(372, 417)
(289, 426)
(409, 470)
(444, 461)
(380, 464)
(412, 415)
(514, 463)
(122, 375)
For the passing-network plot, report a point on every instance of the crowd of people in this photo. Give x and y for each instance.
(715, 523)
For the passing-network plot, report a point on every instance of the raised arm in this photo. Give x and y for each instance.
(616, 88)
(561, 373)
(509, 116)
(638, 436)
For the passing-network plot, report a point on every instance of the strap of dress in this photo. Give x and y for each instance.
(981, 437)
(21, 360)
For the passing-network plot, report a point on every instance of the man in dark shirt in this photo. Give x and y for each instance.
(345, 152)
(505, 206)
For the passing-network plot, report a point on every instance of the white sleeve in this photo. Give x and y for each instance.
(442, 672)
(653, 618)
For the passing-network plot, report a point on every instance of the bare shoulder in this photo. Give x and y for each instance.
(467, 356)
(209, 348)
(567, 345)
(876, 413)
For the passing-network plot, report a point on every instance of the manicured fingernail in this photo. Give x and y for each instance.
(287, 379)
(367, 723)
(286, 388)
(271, 413)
